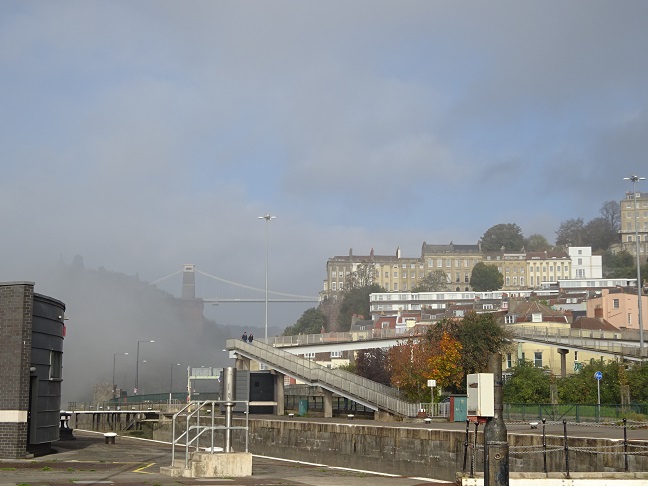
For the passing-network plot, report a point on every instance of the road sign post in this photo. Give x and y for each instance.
(598, 375)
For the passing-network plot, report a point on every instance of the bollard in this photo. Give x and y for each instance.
(110, 437)
(566, 448)
(544, 445)
(625, 444)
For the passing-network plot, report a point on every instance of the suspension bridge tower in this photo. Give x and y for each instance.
(193, 309)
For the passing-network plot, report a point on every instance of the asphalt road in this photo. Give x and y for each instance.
(89, 460)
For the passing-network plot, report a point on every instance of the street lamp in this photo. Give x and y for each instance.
(137, 365)
(171, 381)
(267, 218)
(634, 180)
(114, 388)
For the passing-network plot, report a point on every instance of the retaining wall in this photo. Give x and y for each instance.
(417, 451)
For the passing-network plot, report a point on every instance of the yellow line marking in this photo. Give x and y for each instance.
(141, 469)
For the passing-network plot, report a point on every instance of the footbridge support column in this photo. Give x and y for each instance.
(242, 363)
(279, 393)
(563, 361)
(328, 403)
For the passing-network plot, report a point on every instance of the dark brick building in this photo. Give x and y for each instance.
(31, 331)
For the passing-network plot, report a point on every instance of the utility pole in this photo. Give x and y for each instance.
(496, 448)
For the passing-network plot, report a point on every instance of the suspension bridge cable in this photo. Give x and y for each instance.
(164, 278)
(253, 288)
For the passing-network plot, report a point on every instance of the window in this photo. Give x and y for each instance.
(575, 355)
(537, 359)
(309, 355)
(404, 286)
(386, 274)
(340, 285)
(395, 274)
(466, 278)
(580, 252)
(615, 303)
(333, 286)
(514, 280)
(56, 365)
(336, 354)
(404, 265)
(333, 274)
(508, 280)
(395, 285)
(629, 318)
(522, 281)
(580, 261)
(509, 360)
(448, 262)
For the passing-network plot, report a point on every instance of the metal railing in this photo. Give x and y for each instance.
(339, 381)
(600, 341)
(202, 427)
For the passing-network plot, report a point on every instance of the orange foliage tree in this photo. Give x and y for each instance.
(415, 361)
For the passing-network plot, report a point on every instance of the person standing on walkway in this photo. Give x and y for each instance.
(250, 338)
(244, 337)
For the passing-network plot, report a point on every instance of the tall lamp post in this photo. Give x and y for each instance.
(267, 218)
(171, 382)
(634, 180)
(137, 365)
(114, 388)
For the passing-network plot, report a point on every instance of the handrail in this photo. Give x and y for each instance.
(595, 340)
(199, 429)
(342, 382)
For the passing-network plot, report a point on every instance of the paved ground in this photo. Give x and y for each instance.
(89, 460)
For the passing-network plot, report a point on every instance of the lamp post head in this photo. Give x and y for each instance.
(634, 178)
(267, 217)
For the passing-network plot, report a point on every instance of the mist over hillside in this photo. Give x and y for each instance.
(108, 313)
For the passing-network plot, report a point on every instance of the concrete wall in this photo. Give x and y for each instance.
(411, 451)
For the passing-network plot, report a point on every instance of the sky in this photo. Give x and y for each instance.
(144, 135)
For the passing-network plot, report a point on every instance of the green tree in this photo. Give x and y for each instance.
(486, 277)
(311, 322)
(600, 234)
(356, 301)
(433, 282)
(536, 242)
(527, 384)
(581, 387)
(619, 265)
(373, 364)
(611, 212)
(637, 377)
(508, 236)
(571, 232)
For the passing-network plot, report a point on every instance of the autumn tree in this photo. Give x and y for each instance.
(486, 277)
(480, 336)
(445, 363)
(433, 282)
(408, 366)
(373, 364)
(508, 236)
(417, 360)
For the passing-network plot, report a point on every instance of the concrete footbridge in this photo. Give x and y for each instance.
(615, 344)
(383, 399)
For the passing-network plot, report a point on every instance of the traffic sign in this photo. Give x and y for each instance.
(598, 375)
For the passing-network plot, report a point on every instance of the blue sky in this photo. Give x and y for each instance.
(144, 135)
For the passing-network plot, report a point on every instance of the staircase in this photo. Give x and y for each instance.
(361, 390)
